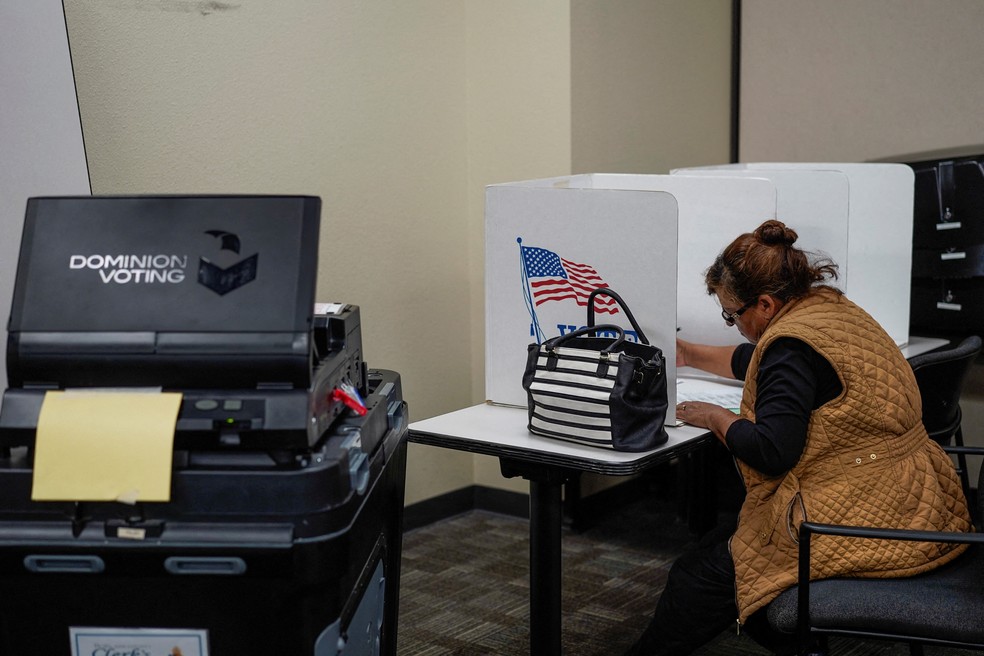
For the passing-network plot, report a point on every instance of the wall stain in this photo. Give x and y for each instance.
(203, 7)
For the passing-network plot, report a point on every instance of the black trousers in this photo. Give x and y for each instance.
(698, 603)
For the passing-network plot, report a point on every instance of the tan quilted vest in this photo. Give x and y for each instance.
(867, 462)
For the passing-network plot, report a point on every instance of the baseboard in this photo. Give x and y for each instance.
(504, 502)
(474, 497)
(582, 512)
(579, 511)
(665, 482)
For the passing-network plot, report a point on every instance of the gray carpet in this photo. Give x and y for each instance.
(465, 588)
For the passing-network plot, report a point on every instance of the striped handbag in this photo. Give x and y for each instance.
(597, 390)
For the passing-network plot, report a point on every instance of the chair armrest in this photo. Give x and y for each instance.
(808, 529)
(966, 450)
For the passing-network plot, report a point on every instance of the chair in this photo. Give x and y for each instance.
(940, 375)
(942, 607)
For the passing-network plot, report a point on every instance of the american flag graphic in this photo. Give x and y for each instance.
(553, 278)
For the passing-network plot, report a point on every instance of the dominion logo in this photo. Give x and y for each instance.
(223, 280)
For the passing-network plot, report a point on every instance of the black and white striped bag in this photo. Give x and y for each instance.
(595, 390)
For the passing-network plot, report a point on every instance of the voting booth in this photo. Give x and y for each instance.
(861, 215)
(548, 244)
(648, 237)
(651, 237)
(196, 457)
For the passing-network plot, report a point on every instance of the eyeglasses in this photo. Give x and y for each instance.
(730, 319)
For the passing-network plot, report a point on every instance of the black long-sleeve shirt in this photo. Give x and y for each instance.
(793, 381)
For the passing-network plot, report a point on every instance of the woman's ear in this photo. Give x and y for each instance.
(769, 304)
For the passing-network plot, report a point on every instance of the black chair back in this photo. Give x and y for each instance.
(940, 375)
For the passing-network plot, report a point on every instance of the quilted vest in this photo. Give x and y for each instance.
(867, 462)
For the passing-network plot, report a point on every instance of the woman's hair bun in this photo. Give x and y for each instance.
(774, 232)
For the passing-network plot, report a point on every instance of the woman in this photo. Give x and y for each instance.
(829, 430)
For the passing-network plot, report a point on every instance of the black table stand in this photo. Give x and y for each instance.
(546, 522)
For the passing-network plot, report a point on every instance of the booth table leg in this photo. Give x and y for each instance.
(545, 567)
(546, 520)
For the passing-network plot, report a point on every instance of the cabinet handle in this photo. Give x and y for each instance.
(960, 255)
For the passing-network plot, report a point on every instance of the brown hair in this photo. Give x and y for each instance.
(766, 262)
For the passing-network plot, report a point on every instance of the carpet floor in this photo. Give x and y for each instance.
(464, 588)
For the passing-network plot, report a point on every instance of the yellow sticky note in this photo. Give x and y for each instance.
(105, 446)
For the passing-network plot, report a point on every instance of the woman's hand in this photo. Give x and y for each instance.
(696, 413)
(707, 415)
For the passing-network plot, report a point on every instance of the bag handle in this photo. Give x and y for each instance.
(614, 346)
(618, 299)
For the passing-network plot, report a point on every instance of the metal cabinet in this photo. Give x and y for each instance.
(948, 245)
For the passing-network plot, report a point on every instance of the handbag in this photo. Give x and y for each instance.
(598, 390)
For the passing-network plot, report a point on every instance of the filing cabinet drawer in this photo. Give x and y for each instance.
(955, 305)
(948, 209)
(952, 262)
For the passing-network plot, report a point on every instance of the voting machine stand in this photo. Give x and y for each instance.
(282, 533)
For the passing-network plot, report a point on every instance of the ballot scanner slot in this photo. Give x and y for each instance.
(26, 345)
(111, 359)
(297, 344)
(150, 342)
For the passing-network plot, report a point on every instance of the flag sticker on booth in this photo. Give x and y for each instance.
(549, 277)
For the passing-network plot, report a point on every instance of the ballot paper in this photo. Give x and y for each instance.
(722, 393)
(102, 445)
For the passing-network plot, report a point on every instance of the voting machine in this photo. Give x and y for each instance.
(281, 532)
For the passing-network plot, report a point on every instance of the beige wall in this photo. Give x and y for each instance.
(395, 114)
(639, 86)
(842, 80)
(519, 108)
(651, 84)
(650, 90)
(361, 103)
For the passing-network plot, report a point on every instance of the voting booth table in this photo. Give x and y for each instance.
(196, 459)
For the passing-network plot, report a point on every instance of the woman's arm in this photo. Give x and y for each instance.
(793, 380)
(713, 359)
(716, 360)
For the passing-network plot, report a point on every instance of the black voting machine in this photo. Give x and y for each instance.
(282, 534)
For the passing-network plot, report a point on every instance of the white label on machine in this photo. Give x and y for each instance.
(101, 641)
(328, 308)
